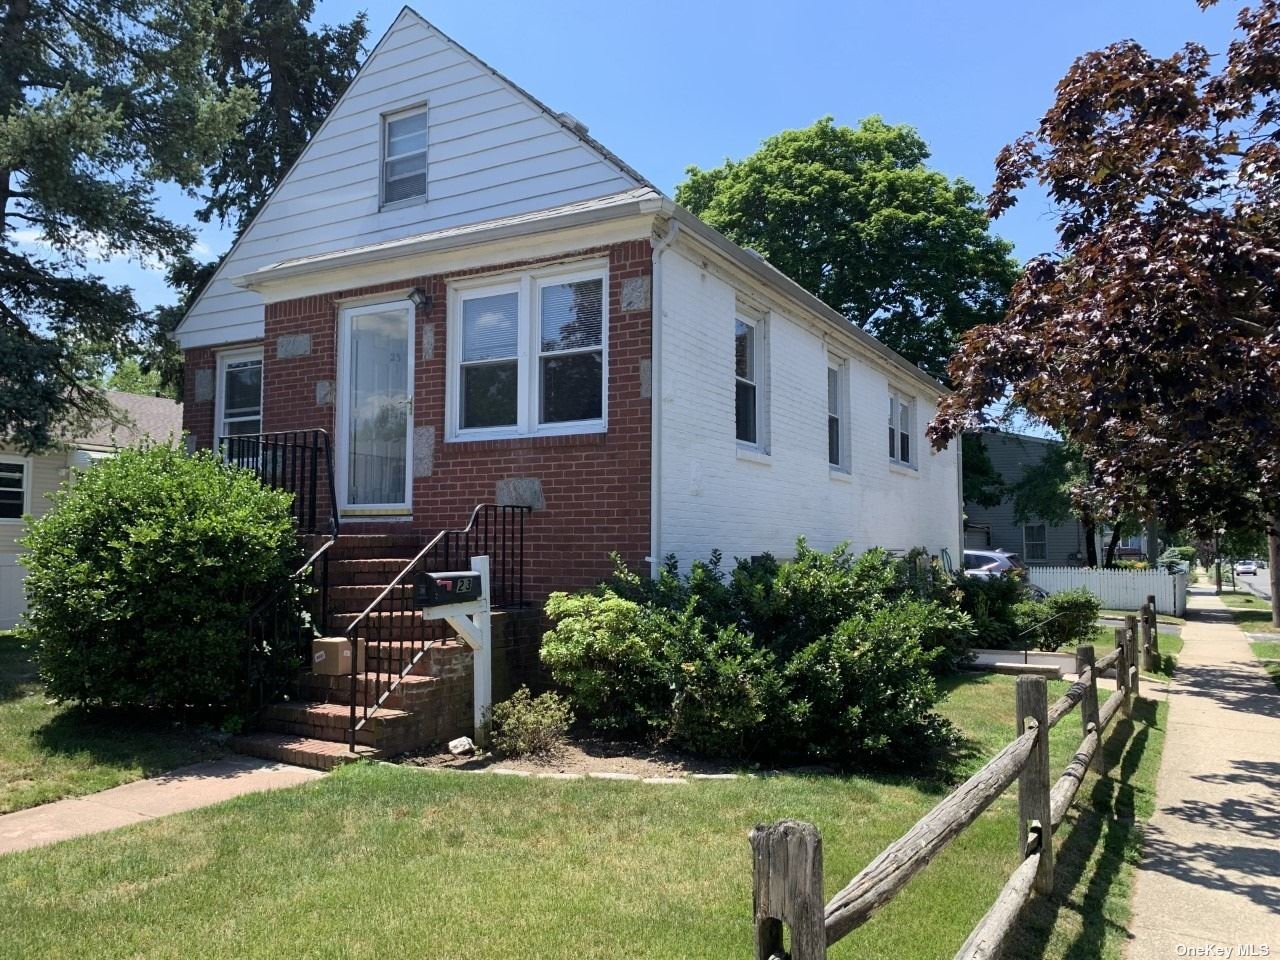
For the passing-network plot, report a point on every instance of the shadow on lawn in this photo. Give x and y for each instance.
(1103, 838)
(114, 738)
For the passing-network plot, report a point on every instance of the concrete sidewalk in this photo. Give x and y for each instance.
(1210, 870)
(187, 788)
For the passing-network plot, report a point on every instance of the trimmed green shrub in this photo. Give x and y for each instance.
(142, 573)
(827, 657)
(993, 604)
(527, 726)
(1061, 620)
(607, 652)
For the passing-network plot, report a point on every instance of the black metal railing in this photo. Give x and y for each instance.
(391, 631)
(281, 626)
(298, 461)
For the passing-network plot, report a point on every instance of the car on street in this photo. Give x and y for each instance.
(1246, 568)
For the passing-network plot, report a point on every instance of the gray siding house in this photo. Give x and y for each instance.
(995, 528)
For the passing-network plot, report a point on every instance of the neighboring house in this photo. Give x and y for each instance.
(479, 301)
(25, 481)
(995, 528)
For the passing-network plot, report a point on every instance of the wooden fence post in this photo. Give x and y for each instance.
(1089, 719)
(787, 889)
(1034, 814)
(1122, 670)
(1155, 628)
(1150, 660)
(1133, 655)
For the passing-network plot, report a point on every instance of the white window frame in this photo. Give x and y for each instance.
(840, 366)
(759, 322)
(528, 287)
(226, 357)
(28, 464)
(897, 400)
(384, 158)
(1027, 541)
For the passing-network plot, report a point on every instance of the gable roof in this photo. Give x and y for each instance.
(156, 417)
(493, 151)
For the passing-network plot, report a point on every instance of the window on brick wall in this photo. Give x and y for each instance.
(239, 400)
(529, 355)
(902, 415)
(404, 156)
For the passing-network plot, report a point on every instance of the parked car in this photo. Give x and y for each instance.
(995, 563)
(991, 563)
(1247, 568)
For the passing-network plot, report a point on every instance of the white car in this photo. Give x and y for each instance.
(1246, 568)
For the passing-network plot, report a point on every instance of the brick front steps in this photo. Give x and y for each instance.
(300, 751)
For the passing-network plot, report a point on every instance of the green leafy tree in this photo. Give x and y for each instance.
(855, 216)
(298, 74)
(128, 376)
(100, 101)
(980, 481)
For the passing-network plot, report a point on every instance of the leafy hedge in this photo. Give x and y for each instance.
(140, 577)
(829, 657)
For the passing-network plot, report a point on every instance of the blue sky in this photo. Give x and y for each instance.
(668, 84)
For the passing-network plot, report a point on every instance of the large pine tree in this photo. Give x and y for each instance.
(100, 101)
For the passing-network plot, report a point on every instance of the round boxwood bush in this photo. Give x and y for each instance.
(141, 577)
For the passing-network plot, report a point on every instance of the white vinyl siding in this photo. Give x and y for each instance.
(493, 153)
(528, 355)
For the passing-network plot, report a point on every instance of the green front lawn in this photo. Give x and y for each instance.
(49, 751)
(1251, 613)
(1269, 654)
(468, 866)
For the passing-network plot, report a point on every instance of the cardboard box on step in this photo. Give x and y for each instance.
(331, 656)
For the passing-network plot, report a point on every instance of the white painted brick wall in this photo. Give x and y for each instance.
(712, 496)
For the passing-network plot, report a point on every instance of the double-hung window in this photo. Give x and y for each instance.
(15, 487)
(837, 416)
(404, 156)
(239, 393)
(902, 411)
(1035, 542)
(529, 356)
(746, 371)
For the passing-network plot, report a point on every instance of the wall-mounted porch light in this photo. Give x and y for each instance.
(420, 298)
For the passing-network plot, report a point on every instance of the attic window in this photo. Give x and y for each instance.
(404, 163)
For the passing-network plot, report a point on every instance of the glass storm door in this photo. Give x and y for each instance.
(375, 409)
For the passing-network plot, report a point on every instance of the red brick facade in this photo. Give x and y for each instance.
(596, 486)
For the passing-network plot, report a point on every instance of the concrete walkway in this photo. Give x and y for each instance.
(187, 788)
(1210, 870)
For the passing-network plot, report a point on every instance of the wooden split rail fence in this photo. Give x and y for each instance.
(787, 874)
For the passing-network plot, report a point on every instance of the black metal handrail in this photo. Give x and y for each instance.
(291, 616)
(391, 631)
(298, 461)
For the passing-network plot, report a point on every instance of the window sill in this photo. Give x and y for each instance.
(754, 455)
(402, 204)
(904, 469)
(473, 436)
(840, 474)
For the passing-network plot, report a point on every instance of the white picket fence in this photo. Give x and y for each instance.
(1118, 589)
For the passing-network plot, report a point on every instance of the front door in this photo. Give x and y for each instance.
(375, 409)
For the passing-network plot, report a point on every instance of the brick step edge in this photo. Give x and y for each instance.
(300, 751)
